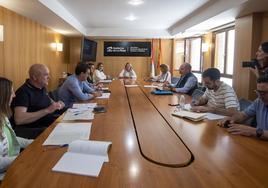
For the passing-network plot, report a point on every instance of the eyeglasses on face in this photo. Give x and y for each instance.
(261, 93)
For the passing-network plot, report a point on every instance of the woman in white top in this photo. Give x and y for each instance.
(99, 74)
(9, 144)
(165, 76)
(128, 72)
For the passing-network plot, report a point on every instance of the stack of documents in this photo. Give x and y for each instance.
(104, 96)
(189, 115)
(78, 114)
(84, 158)
(65, 133)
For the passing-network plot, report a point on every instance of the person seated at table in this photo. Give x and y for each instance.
(128, 72)
(99, 74)
(258, 108)
(218, 98)
(164, 77)
(10, 145)
(187, 82)
(90, 79)
(76, 87)
(33, 109)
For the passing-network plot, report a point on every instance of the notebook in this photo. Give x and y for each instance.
(194, 116)
(162, 92)
(84, 157)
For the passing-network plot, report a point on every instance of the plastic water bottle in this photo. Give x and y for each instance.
(182, 102)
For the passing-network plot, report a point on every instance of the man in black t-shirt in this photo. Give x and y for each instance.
(33, 108)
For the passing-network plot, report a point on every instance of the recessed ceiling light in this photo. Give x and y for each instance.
(131, 18)
(135, 2)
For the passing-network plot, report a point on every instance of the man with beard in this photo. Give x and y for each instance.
(219, 98)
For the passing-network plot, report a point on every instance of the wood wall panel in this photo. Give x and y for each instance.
(113, 65)
(26, 42)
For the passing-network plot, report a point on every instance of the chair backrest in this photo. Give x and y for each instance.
(174, 80)
(244, 103)
(197, 94)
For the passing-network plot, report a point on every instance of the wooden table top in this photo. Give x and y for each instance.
(153, 158)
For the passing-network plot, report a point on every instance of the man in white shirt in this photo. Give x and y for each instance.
(99, 74)
(219, 97)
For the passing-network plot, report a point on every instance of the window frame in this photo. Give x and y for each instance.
(226, 31)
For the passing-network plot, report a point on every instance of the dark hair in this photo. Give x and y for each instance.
(5, 94)
(98, 65)
(264, 47)
(81, 67)
(263, 79)
(212, 73)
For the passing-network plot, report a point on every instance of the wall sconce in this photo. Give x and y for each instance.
(205, 47)
(1, 33)
(57, 46)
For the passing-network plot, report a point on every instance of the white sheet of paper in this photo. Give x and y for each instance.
(211, 116)
(134, 85)
(150, 86)
(78, 114)
(65, 133)
(104, 96)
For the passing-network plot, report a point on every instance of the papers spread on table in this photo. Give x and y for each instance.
(105, 81)
(150, 86)
(211, 116)
(81, 106)
(84, 158)
(78, 114)
(65, 133)
(104, 96)
(189, 115)
(104, 88)
(133, 85)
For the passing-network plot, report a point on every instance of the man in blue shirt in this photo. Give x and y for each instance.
(258, 108)
(76, 87)
(187, 82)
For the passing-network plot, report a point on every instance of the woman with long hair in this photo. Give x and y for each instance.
(10, 145)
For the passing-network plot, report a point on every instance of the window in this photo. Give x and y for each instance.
(179, 54)
(224, 54)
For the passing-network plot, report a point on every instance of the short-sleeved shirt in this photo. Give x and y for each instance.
(259, 109)
(34, 99)
(223, 98)
(73, 90)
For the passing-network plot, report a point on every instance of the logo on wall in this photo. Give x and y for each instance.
(127, 49)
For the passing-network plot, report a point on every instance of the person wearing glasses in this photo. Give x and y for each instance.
(33, 109)
(258, 108)
(76, 88)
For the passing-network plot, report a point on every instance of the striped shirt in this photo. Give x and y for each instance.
(224, 97)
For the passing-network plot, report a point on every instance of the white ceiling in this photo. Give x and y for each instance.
(155, 18)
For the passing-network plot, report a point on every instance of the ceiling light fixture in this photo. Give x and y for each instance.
(131, 18)
(135, 2)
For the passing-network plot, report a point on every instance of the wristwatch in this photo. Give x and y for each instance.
(259, 132)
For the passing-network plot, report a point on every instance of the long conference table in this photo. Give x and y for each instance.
(150, 148)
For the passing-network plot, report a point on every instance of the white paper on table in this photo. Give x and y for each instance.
(83, 106)
(78, 114)
(134, 85)
(65, 133)
(150, 86)
(211, 116)
(104, 96)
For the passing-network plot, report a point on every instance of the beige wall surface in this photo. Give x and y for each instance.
(27, 42)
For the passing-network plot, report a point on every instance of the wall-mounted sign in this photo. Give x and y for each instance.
(127, 49)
